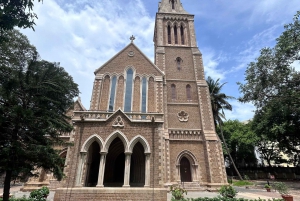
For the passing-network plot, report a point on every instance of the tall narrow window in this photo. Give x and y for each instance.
(128, 91)
(173, 91)
(112, 94)
(169, 34)
(188, 92)
(175, 34)
(182, 35)
(173, 4)
(144, 95)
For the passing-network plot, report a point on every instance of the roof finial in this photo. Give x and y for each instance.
(132, 38)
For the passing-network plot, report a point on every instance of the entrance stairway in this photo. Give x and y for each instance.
(191, 186)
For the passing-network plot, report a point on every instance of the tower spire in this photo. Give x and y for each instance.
(171, 6)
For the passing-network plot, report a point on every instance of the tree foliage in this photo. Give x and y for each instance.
(219, 101)
(16, 13)
(273, 85)
(34, 95)
(240, 140)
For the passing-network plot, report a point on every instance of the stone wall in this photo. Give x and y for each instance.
(113, 194)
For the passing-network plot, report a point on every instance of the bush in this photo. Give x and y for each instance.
(228, 192)
(24, 198)
(281, 188)
(177, 193)
(39, 194)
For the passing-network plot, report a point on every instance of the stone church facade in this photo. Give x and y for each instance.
(150, 125)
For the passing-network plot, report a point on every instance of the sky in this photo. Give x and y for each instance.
(84, 34)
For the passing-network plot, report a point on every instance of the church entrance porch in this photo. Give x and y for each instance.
(137, 167)
(93, 165)
(115, 164)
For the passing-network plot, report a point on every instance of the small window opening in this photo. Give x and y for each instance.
(182, 35)
(188, 92)
(173, 4)
(169, 34)
(178, 63)
(173, 90)
(175, 34)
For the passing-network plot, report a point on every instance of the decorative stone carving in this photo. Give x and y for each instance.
(131, 53)
(118, 122)
(183, 116)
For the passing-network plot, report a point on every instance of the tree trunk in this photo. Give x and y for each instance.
(7, 185)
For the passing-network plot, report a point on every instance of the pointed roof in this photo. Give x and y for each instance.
(79, 105)
(165, 6)
(130, 44)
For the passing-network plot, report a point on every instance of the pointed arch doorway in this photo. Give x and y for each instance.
(185, 170)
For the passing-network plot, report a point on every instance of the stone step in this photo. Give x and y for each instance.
(192, 186)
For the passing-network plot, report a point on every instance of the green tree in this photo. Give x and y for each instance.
(219, 104)
(16, 13)
(240, 140)
(34, 95)
(219, 101)
(273, 85)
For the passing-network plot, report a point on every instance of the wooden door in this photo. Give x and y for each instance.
(185, 170)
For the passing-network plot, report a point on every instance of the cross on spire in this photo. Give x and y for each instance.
(132, 38)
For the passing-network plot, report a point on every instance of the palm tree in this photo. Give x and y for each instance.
(218, 100)
(219, 104)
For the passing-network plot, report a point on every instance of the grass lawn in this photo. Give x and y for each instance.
(242, 183)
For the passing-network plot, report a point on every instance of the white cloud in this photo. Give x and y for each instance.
(240, 111)
(211, 62)
(251, 49)
(82, 35)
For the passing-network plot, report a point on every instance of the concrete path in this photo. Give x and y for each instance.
(248, 193)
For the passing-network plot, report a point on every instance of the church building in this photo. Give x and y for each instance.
(149, 125)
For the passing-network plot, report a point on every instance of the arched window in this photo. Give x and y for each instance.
(144, 95)
(173, 91)
(112, 94)
(175, 34)
(182, 35)
(188, 92)
(178, 63)
(128, 90)
(169, 34)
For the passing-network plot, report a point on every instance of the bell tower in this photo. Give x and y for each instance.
(193, 151)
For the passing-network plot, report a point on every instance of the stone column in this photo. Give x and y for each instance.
(80, 168)
(195, 176)
(172, 35)
(186, 38)
(179, 35)
(127, 170)
(101, 169)
(147, 170)
(178, 173)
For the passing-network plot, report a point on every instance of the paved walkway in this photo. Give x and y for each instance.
(248, 193)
